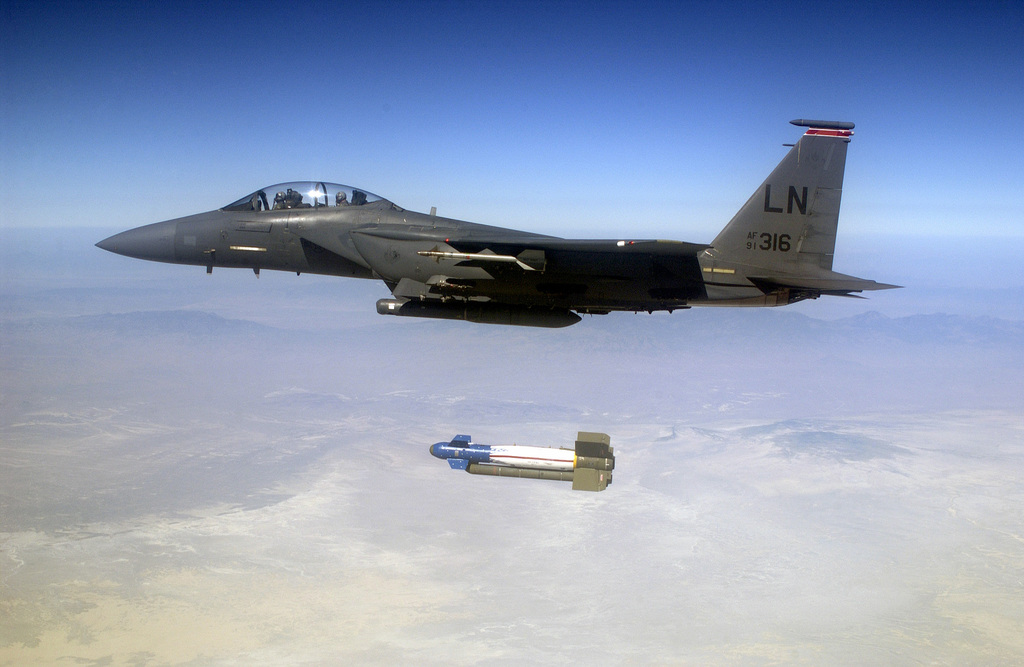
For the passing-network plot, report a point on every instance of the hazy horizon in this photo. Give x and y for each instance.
(224, 469)
(218, 468)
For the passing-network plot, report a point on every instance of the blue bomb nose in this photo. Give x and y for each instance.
(153, 242)
(433, 451)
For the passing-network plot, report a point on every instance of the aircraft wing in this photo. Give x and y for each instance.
(572, 256)
(548, 273)
(521, 251)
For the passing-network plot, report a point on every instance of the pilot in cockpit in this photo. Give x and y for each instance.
(290, 199)
(341, 199)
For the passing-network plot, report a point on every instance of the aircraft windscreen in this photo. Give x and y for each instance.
(305, 194)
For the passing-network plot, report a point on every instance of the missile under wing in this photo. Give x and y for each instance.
(778, 249)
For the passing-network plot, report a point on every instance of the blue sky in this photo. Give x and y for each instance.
(575, 119)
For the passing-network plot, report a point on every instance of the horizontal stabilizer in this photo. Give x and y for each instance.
(829, 283)
(823, 124)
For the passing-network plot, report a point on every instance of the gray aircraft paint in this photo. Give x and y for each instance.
(777, 249)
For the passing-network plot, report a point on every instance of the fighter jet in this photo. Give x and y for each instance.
(776, 250)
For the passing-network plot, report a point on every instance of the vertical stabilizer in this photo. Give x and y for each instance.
(789, 223)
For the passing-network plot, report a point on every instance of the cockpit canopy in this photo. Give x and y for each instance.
(307, 194)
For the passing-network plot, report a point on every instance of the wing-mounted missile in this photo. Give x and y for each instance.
(528, 260)
(588, 465)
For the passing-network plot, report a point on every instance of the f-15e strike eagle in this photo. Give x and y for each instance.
(775, 251)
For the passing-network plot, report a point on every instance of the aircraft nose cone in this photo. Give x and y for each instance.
(153, 242)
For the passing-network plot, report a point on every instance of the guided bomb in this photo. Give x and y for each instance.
(588, 465)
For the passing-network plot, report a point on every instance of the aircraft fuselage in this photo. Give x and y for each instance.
(778, 249)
